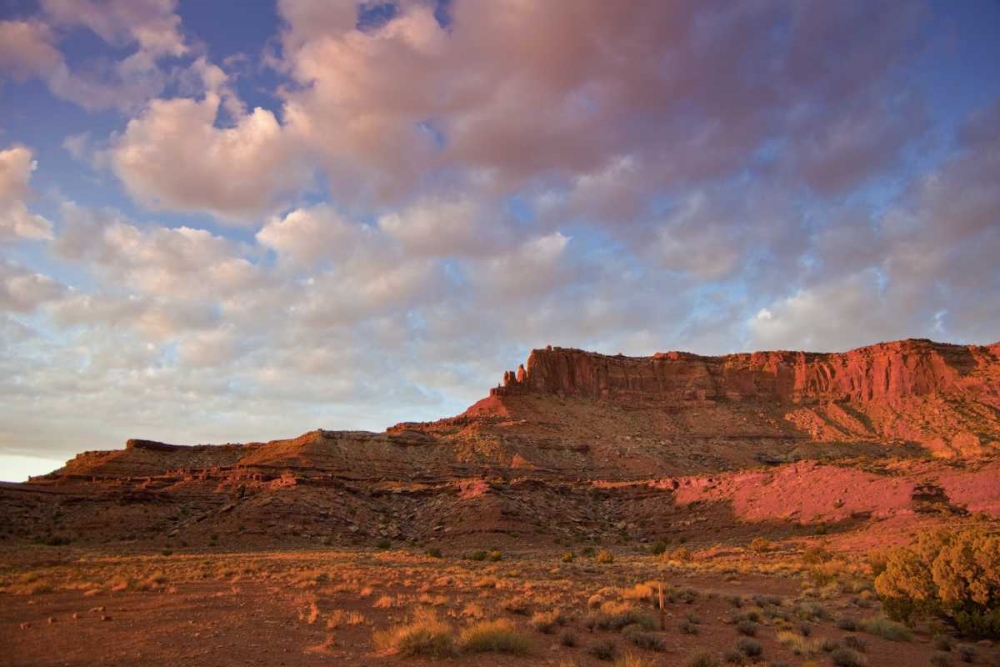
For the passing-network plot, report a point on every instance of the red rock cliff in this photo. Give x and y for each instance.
(882, 372)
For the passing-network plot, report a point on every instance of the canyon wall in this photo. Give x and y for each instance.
(884, 372)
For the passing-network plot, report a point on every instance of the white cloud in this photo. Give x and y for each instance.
(23, 291)
(173, 156)
(537, 266)
(16, 221)
(838, 315)
(182, 263)
(447, 226)
(307, 236)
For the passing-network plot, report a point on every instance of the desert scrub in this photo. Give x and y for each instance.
(811, 611)
(816, 555)
(688, 628)
(702, 659)
(887, 629)
(760, 545)
(847, 623)
(845, 657)
(681, 555)
(651, 641)
(955, 576)
(425, 634)
(615, 616)
(633, 660)
(547, 621)
(520, 605)
(641, 592)
(605, 557)
(797, 644)
(751, 648)
(658, 547)
(569, 639)
(499, 636)
(603, 649)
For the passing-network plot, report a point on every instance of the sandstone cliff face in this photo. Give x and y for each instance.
(885, 372)
(583, 442)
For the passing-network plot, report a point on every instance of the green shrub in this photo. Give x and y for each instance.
(955, 576)
(383, 544)
(434, 553)
(658, 547)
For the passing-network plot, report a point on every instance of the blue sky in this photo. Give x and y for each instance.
(221, 225)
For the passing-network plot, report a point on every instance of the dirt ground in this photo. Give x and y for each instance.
(60, 607)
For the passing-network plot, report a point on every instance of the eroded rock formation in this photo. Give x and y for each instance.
(600, 441)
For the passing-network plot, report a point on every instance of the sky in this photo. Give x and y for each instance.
(227, 222)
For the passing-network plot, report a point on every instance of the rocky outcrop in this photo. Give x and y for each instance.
(581, 443)
(884, 372)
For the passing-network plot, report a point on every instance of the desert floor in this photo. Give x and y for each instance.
(60, 606)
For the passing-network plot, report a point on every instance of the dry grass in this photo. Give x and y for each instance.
(578, 604)
(499, 636)
(424, 635)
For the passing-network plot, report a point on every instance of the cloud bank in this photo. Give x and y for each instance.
(411, 204)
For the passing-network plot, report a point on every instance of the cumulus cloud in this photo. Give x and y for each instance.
(174, 156)
(30, 48)
(448, 226)
(152, 24)
(16, 221)
(182, 263)
(27, 49)
(585, 92)
(538, 265)
(833, 316)
(925, 267)
(308, 235)
(23, 291)
(704, 176)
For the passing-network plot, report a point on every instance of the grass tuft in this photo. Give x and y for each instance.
(424, 635)
(499, 636)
